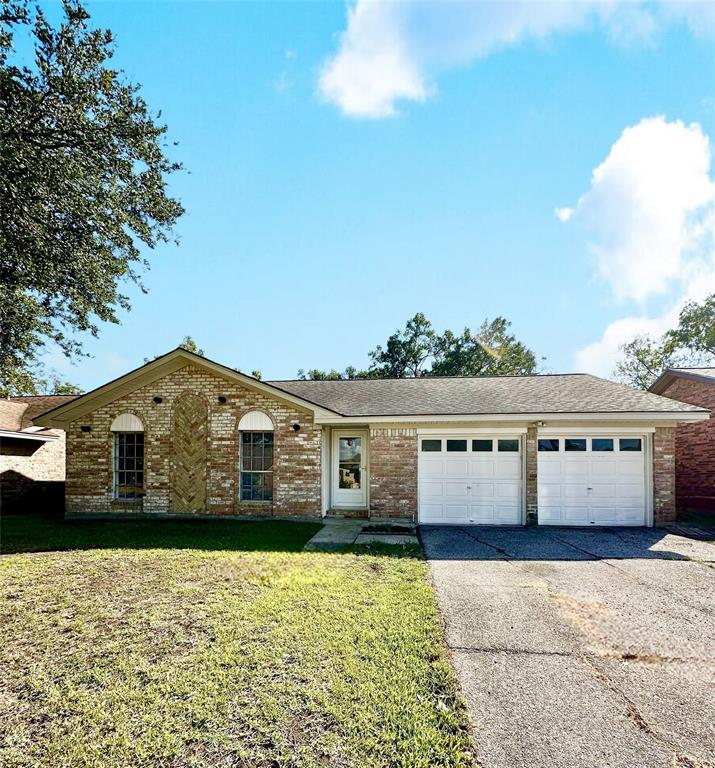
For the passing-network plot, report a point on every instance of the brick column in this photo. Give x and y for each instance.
(664, 475)
(393, 473)
(532, 511)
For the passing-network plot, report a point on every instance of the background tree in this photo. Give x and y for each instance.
(82, 185)
(690, 343)
(419, 351)
(407, 352)
(191, 346)
(492, 351)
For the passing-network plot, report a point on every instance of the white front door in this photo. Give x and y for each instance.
(470, 479)
(596, 480)
(350, 469)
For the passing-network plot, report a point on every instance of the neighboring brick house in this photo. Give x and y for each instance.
(32, 458)
(694, 443)
(183, 435)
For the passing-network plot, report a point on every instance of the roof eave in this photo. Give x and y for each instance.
(645, 416)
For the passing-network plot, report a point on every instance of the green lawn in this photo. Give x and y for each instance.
(218, 644)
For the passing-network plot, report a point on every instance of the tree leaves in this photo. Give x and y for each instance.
(82, 185)
(691, 343)
(419, 350)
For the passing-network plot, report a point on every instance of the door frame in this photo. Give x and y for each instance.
(365, 467)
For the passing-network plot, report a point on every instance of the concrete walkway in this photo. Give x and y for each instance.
(336, 534)
(339, 533)
(581, 648)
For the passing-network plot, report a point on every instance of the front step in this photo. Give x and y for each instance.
(349, 514)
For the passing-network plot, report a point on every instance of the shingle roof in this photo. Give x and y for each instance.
(39, 404)
(440, 396)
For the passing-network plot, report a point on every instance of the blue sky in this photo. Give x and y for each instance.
(348, 166)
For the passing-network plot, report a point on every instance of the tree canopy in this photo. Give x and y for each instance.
(418, 350)
(83, 185)
(690, 343)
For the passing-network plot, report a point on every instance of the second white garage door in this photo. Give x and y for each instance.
(597, 480)
(470, 480)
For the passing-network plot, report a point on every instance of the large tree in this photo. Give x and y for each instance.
(419, 350)
(690, 343)
(83, 184)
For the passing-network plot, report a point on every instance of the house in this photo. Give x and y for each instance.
(32, 457)
(185, 435)
(694, 443)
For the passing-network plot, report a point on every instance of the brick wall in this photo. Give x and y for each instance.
(36, 461)
(694, 448)
(297, 487)
(664, 475)
(393, 473)
(532, 506)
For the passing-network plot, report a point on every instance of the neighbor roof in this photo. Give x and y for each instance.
(706, 375)
(442, 396)
(17, 415)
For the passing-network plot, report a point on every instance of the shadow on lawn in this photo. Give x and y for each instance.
(35, 533)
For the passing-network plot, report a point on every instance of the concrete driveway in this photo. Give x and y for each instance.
(581, 648)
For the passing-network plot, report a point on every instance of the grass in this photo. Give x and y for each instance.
(218, 644)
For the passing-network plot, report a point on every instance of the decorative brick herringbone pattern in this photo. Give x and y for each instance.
(190, 454)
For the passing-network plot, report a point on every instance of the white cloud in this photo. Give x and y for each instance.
(391, 51)
(563, 214)
(373, 67)
(650, 218)
(646, 205)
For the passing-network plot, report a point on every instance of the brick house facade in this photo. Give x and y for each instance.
(694, 443)
(32, 460)
(213, 441)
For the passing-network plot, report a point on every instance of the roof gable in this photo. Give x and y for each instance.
(703, 375)
(156, 369)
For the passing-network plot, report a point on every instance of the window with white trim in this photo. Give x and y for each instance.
(256, 466)
(128, 457)
(256, 457)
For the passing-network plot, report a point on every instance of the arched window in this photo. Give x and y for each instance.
(128, 456)
(256, 456)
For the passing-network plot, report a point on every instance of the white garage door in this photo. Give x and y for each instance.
(470, 479)
(591, 480)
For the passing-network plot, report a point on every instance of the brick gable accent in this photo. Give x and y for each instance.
(297, 484)
(694, 447)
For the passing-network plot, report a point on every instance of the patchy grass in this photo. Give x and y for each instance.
(195, 655)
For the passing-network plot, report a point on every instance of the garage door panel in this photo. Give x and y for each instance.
(574, 470)
(501, 514)
(455, 513)
(431, 467)
(508, 491)
(472, 487)
(455, 488)
(432, 513)
(483, 468)
(591, 487)
(482, 490)
(508, 469)
(455, 467)
(431, 489)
